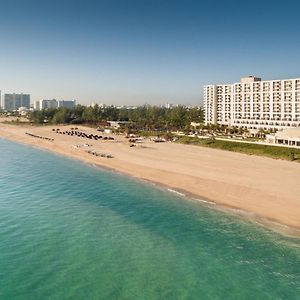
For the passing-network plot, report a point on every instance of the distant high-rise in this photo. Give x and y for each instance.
(253, 103)
(11, 102)
(67, 103)
(45, 104)
(48, 104)
(36, 105)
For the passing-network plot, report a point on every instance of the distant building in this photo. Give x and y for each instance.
(46, 104)
(67, 103)
(125, 107)
(253, 103)
(50, 104)
(168, 105)
(36, 105)
(11, 102)
(117, 124)
(93, 104)
(195, 124)
(23, 111)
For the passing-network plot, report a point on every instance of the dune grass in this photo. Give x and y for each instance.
(275, 152)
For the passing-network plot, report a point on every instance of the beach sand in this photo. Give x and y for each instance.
(267, 189)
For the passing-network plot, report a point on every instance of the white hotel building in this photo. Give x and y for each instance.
(253, 103)
(48, 104)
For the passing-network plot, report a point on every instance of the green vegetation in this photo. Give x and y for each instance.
(141, 118)
(251, 149)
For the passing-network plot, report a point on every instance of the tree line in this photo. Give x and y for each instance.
(144, 117)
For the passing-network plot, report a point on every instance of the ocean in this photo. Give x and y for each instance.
(73, 231)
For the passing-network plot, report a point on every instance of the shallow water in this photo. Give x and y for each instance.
(72, 231)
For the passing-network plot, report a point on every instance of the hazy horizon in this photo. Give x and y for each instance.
(137, 52)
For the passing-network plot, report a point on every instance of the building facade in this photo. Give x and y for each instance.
(287, 137)
(67, 103)
(48, 104)
(11, 102)
(253, 103)
(45, 104)
(36, 105)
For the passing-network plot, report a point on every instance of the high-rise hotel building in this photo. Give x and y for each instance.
(253, 103)
(48, 104)
(11, 102)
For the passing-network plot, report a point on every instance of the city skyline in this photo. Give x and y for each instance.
(137, 52)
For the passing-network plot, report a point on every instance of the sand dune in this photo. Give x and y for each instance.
(266, 187)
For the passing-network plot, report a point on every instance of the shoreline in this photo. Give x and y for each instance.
(275, 224)
(272, 224)
(288, 231)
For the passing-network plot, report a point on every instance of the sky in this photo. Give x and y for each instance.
(133, 52)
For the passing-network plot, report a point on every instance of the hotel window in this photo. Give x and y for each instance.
(266, 108)
(287, 108)
(266, 86)
(238, 98)
(256, 87)
(276, 86)
(288, 85)
(287, 97)
(266, 97)
(256, 98)
(276, 108)
(247, 97)
(247, 87)
(237, 88)
(227, 89)
(276, 97)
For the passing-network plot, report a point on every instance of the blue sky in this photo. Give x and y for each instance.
(146, 51)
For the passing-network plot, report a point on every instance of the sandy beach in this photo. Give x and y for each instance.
(267, 189)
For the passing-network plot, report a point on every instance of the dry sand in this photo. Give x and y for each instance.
(266, 188)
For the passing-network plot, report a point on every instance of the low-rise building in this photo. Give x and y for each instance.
(23, 111)
(287, 137)
(117, 124)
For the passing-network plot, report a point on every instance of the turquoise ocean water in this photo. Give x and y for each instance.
(72, 231)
